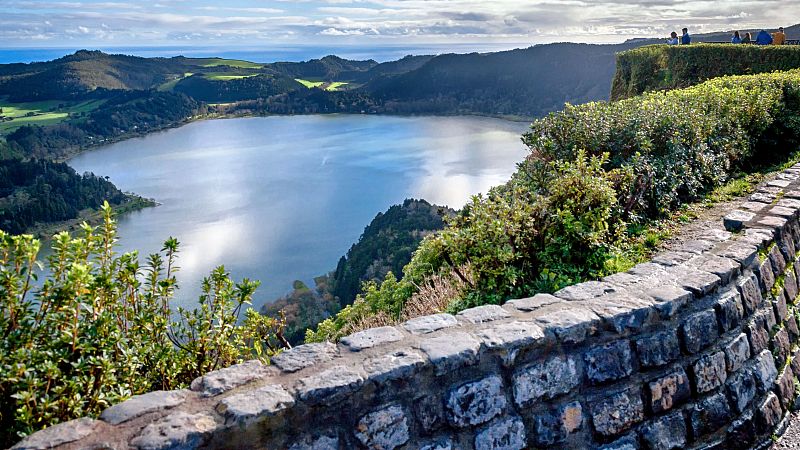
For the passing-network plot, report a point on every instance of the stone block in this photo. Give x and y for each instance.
(796, 363)
(397, 365)
(304, 356)
(451, 351)
(618, 412)
(781, 346)
(766, 318)
(250, 406)
(779, 183)
(698, 282)
(669, 300)
(60, 434)
(444, 443)
(791, 327)
(787, 248)
(776, 223)
(503, 434)
(736, 220)
(742, 252)
(724, 268)
(709, 372)
(784, 387)
(665, 433)
(623, 312)
(781, 308)
(509, 336)
(545, 380)
(608, 362)
(742, 432)
(586, 291)
(758, 337)
(709, 415)
(765, 371)
(533, 303)
(372, 337)
(222, 380)
(179, 430)
(668, 391)
(776, 258)
(790, 286)
(571, 324)
(768, 414)
(760, 237)
(386, 428)
(139, 405)
(658, 349)
(476, 402)
(324, 442)
(763, 197)
(729, 310)
(737, 353)
(699, 331)
(696, 246)
(754, 206)
(429, 411)
(750, 291)
(556, 425)
(429, 324)
(766, 276)
(782, 212)
(485, 313)
(741, 388)
(329, 386)
(628, 442)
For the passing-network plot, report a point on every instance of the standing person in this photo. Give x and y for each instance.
(673, 39)
(747, 39)
(779, 38)
(763, 38)
(686, 39)
(736, 39)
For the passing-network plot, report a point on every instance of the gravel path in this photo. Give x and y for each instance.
(791, 438)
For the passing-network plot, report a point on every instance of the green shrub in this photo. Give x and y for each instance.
(99, 328)
(597, 176)
(660, 67)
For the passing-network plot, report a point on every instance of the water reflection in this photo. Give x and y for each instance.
(282, 198)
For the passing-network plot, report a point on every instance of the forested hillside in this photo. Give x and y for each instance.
(385, 246)
(43, 191)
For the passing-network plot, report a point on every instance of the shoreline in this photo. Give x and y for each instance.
(45, 231)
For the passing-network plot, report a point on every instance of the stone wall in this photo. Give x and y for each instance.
(695, 349)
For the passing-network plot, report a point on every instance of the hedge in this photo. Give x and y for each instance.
(660, 67)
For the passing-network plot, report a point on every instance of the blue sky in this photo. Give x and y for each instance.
(247, 23)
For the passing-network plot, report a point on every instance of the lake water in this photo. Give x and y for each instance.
(282, 198)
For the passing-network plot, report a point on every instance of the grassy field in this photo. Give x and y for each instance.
(334, 86)
(41, 113)
(327, 85)
(214, 62)
(225, 76)
(308, 83)
(171, 84)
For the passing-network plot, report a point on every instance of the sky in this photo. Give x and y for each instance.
(253, 23)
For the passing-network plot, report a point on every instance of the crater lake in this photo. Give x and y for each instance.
(282, 198)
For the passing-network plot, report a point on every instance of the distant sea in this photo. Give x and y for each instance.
(258, 54)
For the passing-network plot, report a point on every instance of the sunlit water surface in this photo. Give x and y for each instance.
(282, 198)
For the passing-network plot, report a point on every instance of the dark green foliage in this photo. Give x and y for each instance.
(385, 246)
(223, 91)
(659, 67)
(328, 68)
(99, 328)
(303, 308)
(597, 173)
(43, 191)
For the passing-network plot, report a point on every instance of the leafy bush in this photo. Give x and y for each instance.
(659, 67)
(99, 328)
(596, 174)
